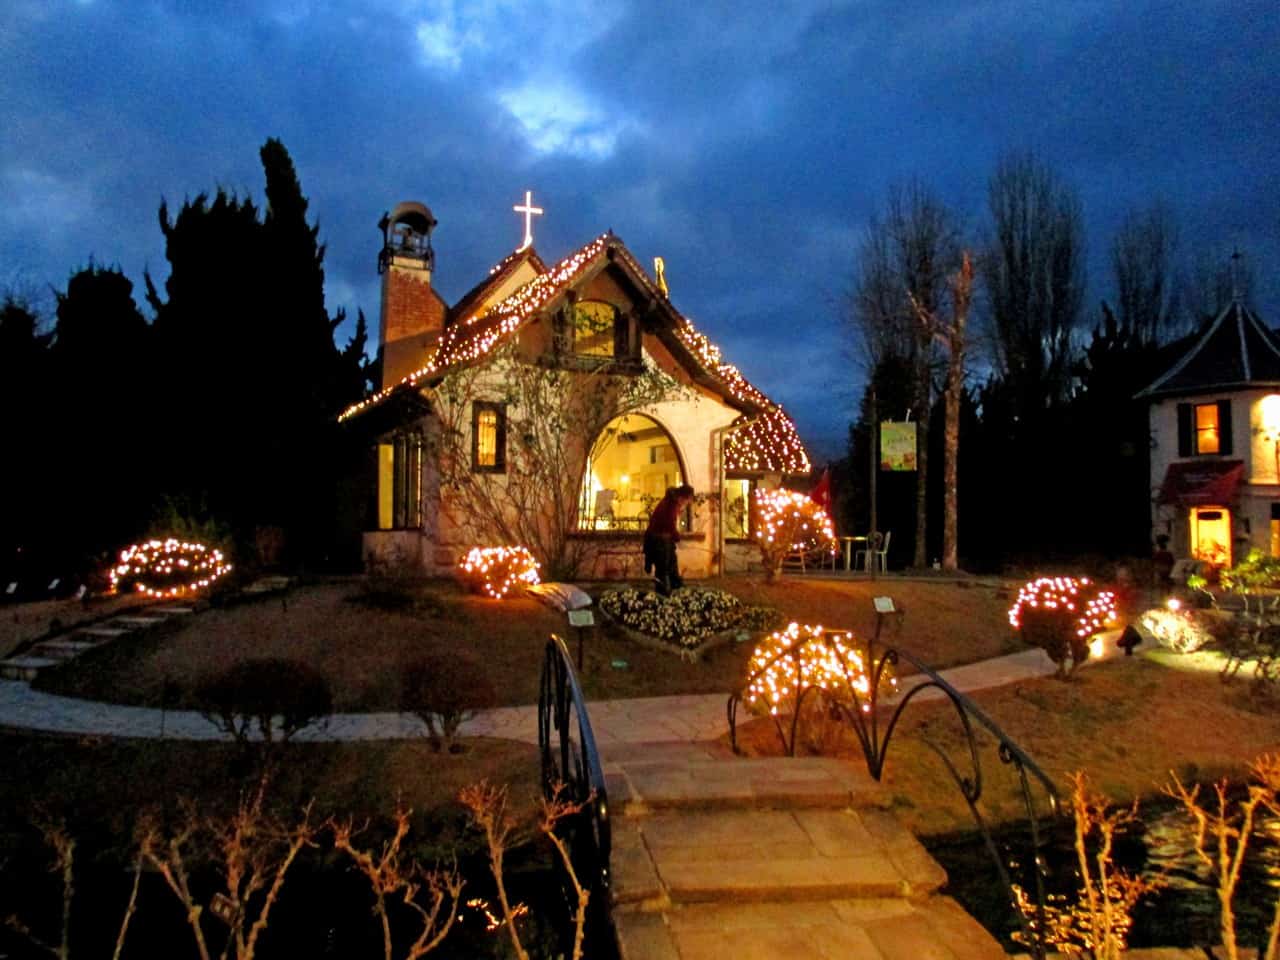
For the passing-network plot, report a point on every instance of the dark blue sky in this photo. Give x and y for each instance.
(746, 143)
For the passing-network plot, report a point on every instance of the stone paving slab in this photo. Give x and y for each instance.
(872, 929)
(138, 622)
(105, 633)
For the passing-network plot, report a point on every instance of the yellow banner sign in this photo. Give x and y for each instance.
(897, 446)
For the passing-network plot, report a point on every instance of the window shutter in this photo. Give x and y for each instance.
(500, 441)
(1224, 427)
(1184, 429)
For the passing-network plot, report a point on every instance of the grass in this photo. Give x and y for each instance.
(1127, 722)
(362, 650)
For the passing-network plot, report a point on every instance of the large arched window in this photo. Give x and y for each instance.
(633, 463)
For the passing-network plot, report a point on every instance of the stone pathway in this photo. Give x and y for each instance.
(682, 719)
(717, 856)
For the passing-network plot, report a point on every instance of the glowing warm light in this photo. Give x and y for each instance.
(496, 571)
(529, 211)
(167, 568)
(1089, 608)
(790, 522)
(790, 662)
(1174, 604)
(1269, 411)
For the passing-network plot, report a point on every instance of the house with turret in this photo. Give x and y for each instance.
(1214, 417)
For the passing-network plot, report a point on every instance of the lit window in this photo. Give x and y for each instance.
(488, 437)
(594, 329)
(400, 483)
(1207, 439)
(632, 465)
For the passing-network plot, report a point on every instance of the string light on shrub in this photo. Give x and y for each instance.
(788, 662)
(168, 568)
(1089, 608)
(496, 571)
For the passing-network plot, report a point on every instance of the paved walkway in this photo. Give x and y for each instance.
(683, 719)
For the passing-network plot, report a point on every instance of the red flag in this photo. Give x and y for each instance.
(821, 493)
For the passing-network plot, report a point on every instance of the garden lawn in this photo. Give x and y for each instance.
(363, 651)
(1126, 723)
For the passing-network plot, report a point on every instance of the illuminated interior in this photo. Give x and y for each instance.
(1211, 535)
(634, 463)
(1207, 440)
(400, 483)
(593, 329)
(736, 498)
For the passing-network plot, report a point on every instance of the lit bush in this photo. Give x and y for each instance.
(1183, 629)
(167, 568)
(444, 690)
(496, 571)
(1061, 615)
(790, 522)
(807, 663)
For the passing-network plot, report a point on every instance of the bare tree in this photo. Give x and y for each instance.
(903, 266)
(1142, 261)
(1033, 273)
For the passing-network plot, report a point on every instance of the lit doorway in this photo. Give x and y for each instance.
(1211, 535)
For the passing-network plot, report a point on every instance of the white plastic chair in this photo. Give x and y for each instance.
(877, 553)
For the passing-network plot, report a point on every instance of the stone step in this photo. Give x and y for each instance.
(62, 649)
(138, 622)
(269, 585)
(173, 611)
(759, 855)
(25, 668)
(755, 783)
(870, 929)
(100, 632)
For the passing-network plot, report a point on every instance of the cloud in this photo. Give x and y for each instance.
(555, 118)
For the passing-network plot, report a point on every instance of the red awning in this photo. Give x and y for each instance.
(1208, 483)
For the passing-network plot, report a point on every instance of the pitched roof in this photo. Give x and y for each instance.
(497, 274)
(1236, 351)
(763, 439)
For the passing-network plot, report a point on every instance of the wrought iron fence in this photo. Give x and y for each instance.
(874, 721)
(571, 764)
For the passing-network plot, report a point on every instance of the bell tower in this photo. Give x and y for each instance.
(412, 312)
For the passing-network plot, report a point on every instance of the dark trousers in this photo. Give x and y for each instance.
(660, 555)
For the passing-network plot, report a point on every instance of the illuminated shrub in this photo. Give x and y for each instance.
(442, 691)
(807, 666)
(789, 522)
(1061, 615)
(271, 696)
(167, 568)
(496, 571)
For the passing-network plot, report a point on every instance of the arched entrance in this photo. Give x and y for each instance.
(633, 462)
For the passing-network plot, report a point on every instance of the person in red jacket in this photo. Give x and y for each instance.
(661, 536)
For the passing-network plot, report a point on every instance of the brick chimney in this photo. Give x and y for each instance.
(412, 312)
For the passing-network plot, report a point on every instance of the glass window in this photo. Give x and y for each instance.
(594, 329)
(1206, 425)
(400, 483)
(736, 498)
(488, 437)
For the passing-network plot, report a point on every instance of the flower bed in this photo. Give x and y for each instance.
(690, 621)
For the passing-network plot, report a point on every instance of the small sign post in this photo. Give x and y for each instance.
(581, 621)
(884, 607)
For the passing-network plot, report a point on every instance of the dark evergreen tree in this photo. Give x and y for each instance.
(23, 492)
(100, 455)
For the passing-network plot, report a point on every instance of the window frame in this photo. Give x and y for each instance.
(499, 410)
(1189, 430)
(405, 478)
(753, 484)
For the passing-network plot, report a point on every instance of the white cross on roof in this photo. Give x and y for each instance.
(529, 211)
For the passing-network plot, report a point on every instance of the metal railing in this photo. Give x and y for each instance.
(863, 709)
(571, 765)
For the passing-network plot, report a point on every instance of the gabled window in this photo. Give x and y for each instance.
(596, 330)
(488, 437)
(1204, 429)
